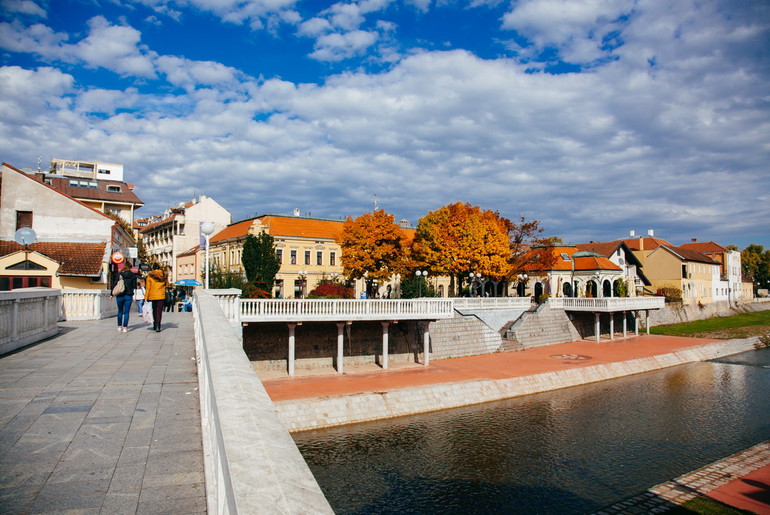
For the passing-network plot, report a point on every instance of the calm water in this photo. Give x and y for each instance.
(570, 451)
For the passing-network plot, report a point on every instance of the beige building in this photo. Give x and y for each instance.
(306, 248)
(668, 266)
(74, 241)
(177, 230)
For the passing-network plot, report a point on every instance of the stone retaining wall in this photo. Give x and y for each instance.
(675, 313)
(306, 414)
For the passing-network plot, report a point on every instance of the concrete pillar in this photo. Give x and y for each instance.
(636, 323)
(426, 343)
(597, 326)
(291, 349)
(340, 348)
(625, 323)
(385, 345)
(647, 321)
(612, 326)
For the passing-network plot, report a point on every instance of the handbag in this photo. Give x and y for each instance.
(119, 288)
(147, 312)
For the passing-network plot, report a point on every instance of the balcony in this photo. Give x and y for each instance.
(606, 304)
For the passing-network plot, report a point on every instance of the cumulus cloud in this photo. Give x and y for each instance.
(22, 7)
(671, 135)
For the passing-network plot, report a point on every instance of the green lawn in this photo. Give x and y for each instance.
(743, 325)
(705, 506)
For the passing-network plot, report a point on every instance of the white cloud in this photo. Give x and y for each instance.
(22, 7)
(335, 47)
(314, 27)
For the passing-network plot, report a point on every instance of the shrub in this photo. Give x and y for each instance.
(330, 290)
(671, 293)
(250, 291)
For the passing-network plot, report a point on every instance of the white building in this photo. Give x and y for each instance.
(87, 169)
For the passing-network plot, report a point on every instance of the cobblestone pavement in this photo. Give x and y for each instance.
(724, 476)
(98, 421)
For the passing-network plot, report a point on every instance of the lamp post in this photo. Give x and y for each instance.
(302, 282)
(471, 278)
(207, 228)
(420, 274)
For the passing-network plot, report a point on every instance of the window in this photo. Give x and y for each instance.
(112, 188)
(279, 256)
(293, 257)
(23, 219)
(565, 256)
(102, 170)
(684, 271)
(319, 258)
(10, 282)
(333, 258)
(307, 257)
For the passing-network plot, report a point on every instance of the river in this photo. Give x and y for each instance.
(568, 451)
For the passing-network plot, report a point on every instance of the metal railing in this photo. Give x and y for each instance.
(606, 304)
(319, 310)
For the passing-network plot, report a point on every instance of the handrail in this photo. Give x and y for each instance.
(299, 310)
(606, 303)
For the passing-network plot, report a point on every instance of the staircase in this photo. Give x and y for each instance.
(538, 327)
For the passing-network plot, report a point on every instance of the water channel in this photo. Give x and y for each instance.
(569, 451)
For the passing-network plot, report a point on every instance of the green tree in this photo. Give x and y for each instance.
(755, 265)
(413, 287)
(260, 261)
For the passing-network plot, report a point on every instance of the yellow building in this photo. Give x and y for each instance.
(306, 248)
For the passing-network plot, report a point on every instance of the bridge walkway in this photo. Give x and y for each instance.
(97, 421)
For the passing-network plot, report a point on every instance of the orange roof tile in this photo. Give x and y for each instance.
(77, 259)
(703, 246)
(581, 263)
(649, 243)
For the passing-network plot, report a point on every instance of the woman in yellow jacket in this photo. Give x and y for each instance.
(156, 283)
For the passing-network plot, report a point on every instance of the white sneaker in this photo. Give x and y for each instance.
(120, 329)
(125, 329)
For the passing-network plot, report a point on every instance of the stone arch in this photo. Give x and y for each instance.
(538, 290)
(592, 289)
(566, 289)
(606, 288)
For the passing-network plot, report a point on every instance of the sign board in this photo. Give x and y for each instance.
(118, 257)
(133, 252)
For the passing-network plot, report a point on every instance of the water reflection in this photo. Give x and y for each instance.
(570, 451)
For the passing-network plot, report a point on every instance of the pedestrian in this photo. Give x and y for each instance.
(169, 306)
(125, 297)
(156, 293)
(139, 295)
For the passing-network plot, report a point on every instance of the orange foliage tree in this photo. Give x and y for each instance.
(460, 238)
(373, 246)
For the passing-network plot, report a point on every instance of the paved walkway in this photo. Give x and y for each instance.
(96, 421)
(503, 365)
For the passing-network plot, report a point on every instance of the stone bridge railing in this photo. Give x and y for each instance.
(606, 304)
(252, 463)
(27, 315)
(319, 310)
(87, 305)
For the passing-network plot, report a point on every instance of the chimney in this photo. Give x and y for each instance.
(632, 233)
(650, 233)
(296, 211)
(694, 240)
(641, 243)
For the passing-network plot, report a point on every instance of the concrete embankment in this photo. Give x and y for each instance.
(314, 413)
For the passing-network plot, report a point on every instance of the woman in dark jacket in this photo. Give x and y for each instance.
(124, 299)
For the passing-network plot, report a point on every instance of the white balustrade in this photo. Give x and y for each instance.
(318, 310)
(516, 303)
(606, 304)
(27, 315)
(87, 305)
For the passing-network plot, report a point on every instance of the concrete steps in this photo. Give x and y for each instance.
(542, 326)
(462, 336)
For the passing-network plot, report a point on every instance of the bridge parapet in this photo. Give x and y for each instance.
(606, 304)
(329, 310)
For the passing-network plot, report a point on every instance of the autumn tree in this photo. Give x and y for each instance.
(755, 263)
(460, 238)
(525, 235)
(373, 246)
(260, 261)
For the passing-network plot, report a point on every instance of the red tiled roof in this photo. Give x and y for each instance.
(690, 255)
(649, 243)
(100, 193)
(78, 259)
(157, 223)
(703, 246)
(581, 263)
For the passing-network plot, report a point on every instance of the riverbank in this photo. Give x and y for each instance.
(318, 401)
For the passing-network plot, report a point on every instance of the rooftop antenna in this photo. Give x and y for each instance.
(376, 207)
(39, 164)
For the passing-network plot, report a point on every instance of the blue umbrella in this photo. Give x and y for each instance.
(188, 282)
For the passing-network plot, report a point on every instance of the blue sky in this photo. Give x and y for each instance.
(595, 117)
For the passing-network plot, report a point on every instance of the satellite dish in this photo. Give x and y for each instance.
(25, 236)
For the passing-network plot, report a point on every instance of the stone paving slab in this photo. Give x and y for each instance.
(97, 421)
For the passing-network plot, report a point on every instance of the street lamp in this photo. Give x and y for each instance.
(419, 274)
(207, 228)
(302, 282)
(471, 278)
